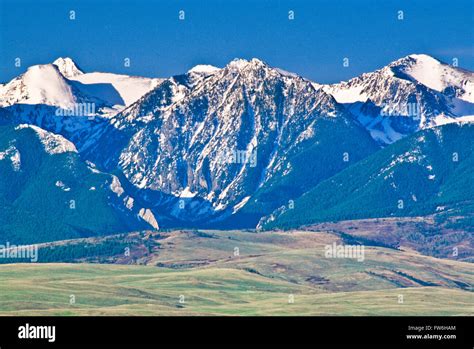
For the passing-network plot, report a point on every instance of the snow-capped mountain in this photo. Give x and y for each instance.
(40, 85)
(61, 98)
(212, 137)
(412, 93)
(232, 144)
(62, 83)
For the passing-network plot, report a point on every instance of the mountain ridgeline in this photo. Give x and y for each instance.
(243, 146)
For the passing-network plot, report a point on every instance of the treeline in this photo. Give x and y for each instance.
(73, 253)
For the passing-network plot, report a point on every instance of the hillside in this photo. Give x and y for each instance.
(48, 193)
(429, 172)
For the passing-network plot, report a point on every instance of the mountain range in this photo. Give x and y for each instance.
(242, 146)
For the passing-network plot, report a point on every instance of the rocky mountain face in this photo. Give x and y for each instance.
(224, 147)
(207, 140)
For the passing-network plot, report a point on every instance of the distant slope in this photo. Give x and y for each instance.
(47, 193)
(418, 175)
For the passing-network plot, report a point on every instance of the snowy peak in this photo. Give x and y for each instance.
(408, 75)
(203, 69)
(260, 70)
(67, 67)
(62, 83)
(243, 64)
(414, 59)
(40, 84)
(409, 94)
(435, 75)
(406, 72)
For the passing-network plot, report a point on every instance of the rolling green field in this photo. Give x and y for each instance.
(278, 273)
(144, 290)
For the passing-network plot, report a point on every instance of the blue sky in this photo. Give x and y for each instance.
(216, 31)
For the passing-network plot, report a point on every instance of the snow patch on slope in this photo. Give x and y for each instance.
(116, 186)
(115, 88)
(13, 154)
